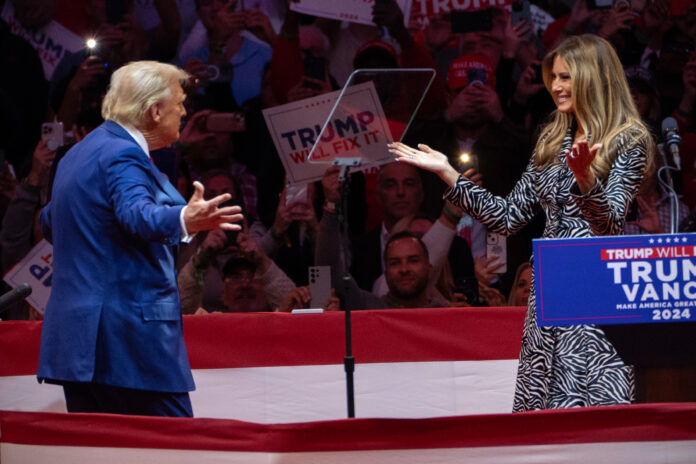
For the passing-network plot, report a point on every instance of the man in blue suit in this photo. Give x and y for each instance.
(112, 334)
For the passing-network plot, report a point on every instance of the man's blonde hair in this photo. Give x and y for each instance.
(135, 87)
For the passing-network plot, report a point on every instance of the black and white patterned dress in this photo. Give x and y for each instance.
(563, 367)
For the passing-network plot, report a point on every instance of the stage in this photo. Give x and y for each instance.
(432, 385)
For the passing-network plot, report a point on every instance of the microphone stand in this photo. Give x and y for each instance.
(348, 360)
(668, 185)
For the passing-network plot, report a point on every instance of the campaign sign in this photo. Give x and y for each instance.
(354, 11)
(52, 41)
(36, 269)
(435, 8)
(627, 279)
(359, 130)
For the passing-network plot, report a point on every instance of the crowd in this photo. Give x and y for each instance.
(404, 246)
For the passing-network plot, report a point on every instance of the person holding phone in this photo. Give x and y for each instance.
(225, 63)
(586, 169)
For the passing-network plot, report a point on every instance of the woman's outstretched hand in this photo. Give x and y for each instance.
(425, 158)
(579, 160)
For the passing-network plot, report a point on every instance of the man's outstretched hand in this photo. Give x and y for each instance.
(202, 214)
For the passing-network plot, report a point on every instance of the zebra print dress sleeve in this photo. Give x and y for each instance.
(605, 206)
(500, 215)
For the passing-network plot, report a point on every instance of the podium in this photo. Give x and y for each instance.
(664, 356)
(640, 289)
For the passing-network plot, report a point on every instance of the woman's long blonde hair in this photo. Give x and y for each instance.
(602, 103)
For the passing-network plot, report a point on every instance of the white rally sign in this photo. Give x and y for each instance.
(36, 269)
(354, 11)
(51, 42)
(358, 129)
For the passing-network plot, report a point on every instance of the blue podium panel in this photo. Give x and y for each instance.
(626, 279)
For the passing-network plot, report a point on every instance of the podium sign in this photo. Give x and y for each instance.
(628, 279)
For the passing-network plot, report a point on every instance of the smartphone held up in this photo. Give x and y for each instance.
(226, 122)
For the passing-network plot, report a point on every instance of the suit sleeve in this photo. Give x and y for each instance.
(132, 190)
(45, 223)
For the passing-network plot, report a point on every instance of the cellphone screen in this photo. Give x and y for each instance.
(471, 21)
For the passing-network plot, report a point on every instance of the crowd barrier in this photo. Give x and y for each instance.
(283, 368)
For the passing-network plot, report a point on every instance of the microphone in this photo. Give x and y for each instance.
(670, 132)
(13, 296)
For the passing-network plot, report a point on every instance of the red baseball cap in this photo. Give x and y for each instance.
(469, 69)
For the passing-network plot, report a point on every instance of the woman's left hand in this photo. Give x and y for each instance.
(425, 158)
(579, 160)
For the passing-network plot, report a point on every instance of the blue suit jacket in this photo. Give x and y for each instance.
(114, 315)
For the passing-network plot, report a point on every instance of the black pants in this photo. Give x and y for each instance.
(94, 397)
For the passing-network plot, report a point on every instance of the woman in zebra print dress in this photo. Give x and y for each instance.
(585, 191)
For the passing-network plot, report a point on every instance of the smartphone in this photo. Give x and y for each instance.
(521, 12)
(468, 161)
(226, 122)
(599, 4)
(52, 132)
(319, 285)
(538, 74)
(116, 10)
(468, 286)
(496, 246)
(471, 21)
(476, 76)
(315, 68)
(295, 193)
(231, 235)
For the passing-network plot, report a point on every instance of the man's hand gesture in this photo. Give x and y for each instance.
(202, 214)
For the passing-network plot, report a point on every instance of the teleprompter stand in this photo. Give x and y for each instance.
(348, 360)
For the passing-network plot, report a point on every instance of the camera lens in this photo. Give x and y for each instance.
(213, 72)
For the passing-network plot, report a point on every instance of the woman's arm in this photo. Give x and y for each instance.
(501, 215)
(605, 206)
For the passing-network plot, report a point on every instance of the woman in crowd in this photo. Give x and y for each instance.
(588, 164)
